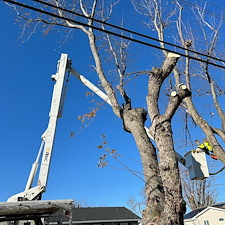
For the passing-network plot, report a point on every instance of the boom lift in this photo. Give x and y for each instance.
(58, 97)
(195, 163)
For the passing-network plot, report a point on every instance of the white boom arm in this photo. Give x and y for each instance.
(55, 113)
(48, 136)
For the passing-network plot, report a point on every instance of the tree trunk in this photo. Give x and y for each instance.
(174, 205)
(134, 122)
(161, 131)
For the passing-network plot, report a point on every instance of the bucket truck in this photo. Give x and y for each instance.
(195, 163)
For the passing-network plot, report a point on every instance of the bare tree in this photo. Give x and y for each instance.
(164, 200)
(198, 193)
(135, 205)
(160, 20)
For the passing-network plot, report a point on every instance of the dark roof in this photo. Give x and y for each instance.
(193, 213)
(100, 214)
(198, 210)
(103, 213)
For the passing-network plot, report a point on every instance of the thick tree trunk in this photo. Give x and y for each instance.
(160, 130)
(174, 205)
(134, 122)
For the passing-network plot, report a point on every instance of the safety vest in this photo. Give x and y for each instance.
(205, 145)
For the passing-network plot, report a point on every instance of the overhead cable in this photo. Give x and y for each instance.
(114, 33)
(189, 4)
(128, 30)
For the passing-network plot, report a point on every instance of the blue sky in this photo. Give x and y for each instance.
(26, 90)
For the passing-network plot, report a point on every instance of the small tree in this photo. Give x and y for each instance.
(198, 193)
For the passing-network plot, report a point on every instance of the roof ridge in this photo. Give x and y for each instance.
(198, 210)
(202, 207)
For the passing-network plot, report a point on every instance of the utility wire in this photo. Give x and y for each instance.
(127, 30)
(114, 33)
(199, 8)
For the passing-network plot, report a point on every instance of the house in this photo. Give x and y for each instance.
(210, 215)
(95, 216)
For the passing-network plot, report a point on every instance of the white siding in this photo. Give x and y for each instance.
(211, 214)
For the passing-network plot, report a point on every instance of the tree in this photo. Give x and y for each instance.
(186, 38)
(135, 205)
(164, 200)
(198, 193)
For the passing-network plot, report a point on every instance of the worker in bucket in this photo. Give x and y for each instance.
(206, 148)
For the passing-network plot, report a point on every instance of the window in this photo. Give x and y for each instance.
(221, 219)
(206, 222)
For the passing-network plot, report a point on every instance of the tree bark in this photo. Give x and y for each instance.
(161, 131)
(174, 205)
(134, 122)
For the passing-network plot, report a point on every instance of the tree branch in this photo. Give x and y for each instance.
(156, 78)
(176, 99)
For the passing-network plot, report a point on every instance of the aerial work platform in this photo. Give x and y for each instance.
(197, 165)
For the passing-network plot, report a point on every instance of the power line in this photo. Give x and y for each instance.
(216, 15)
(127, 30)
(113, 33)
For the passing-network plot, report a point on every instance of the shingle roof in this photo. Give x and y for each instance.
(104, 214)
(193, 213)
(198, 210)
(97, 215)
